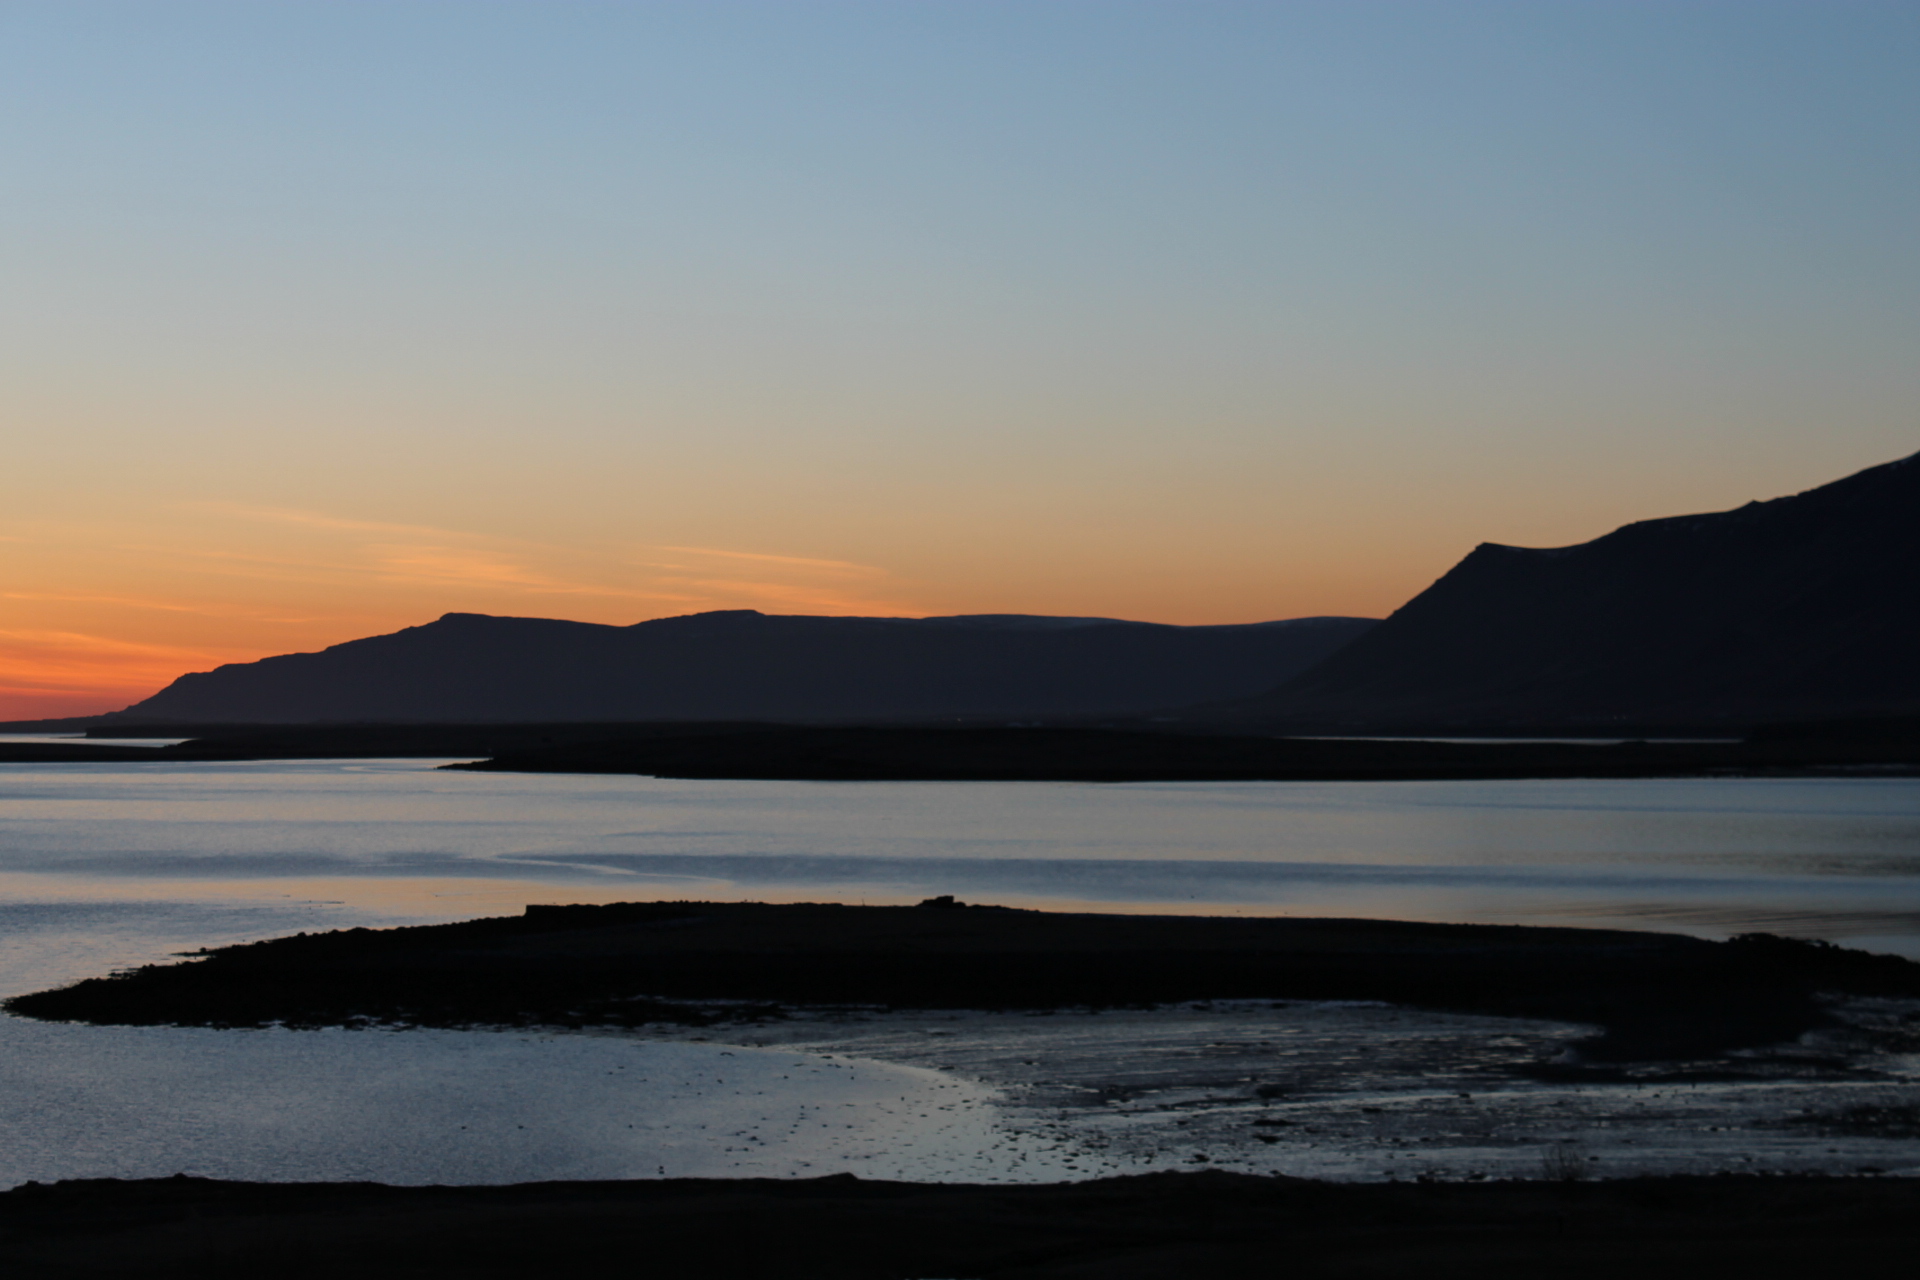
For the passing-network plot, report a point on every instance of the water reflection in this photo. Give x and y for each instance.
(372, 841)
(475, 1107)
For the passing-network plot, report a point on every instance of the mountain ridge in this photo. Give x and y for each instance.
(745, 665)
(1801, 606)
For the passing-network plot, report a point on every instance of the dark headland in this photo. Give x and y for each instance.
(1798, 608)
(1649, 995)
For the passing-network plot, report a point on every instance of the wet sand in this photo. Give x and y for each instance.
(469, 1108)
(1367, 1092)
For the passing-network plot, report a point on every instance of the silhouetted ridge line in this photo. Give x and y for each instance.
(739, 664)
(1802, 607)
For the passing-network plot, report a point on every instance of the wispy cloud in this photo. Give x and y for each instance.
(371, 575)
(455, 566)
(74, 661)
(318, 520)
(804, 584)
(162, 606)
(695, 577)
(798, 562)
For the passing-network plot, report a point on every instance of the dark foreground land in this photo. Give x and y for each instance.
(1132, 753)
(1653, 996)
(1215, 1225)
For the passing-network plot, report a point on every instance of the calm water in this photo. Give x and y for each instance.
(95, 858)
(107, 865)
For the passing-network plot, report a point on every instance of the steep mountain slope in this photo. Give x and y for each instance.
(1802, 607)
(743, 665)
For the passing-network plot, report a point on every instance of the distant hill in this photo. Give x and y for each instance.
(744, 665)
(1804, 607)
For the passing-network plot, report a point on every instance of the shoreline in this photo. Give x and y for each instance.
(1358, 1092)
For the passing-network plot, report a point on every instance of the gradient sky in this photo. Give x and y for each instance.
(322, 319)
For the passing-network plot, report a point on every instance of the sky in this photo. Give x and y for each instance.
(318, 320)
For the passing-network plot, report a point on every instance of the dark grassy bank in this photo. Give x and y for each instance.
(349, 741)
(1217, 1225)
(1655, 996)
(72, 753)
(984, 754)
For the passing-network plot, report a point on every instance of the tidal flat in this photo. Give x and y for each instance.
(1368, 1092)
(1084, 1046)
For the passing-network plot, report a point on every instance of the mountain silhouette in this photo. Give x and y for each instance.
(745, 665)
(1799, 608)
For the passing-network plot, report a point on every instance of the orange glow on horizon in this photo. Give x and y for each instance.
(52, 674)
(98, 616)
(99, 613)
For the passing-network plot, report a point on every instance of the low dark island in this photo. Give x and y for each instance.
(1652, 995)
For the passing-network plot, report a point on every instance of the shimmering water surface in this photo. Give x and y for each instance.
(303, 843)
(112, 864)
